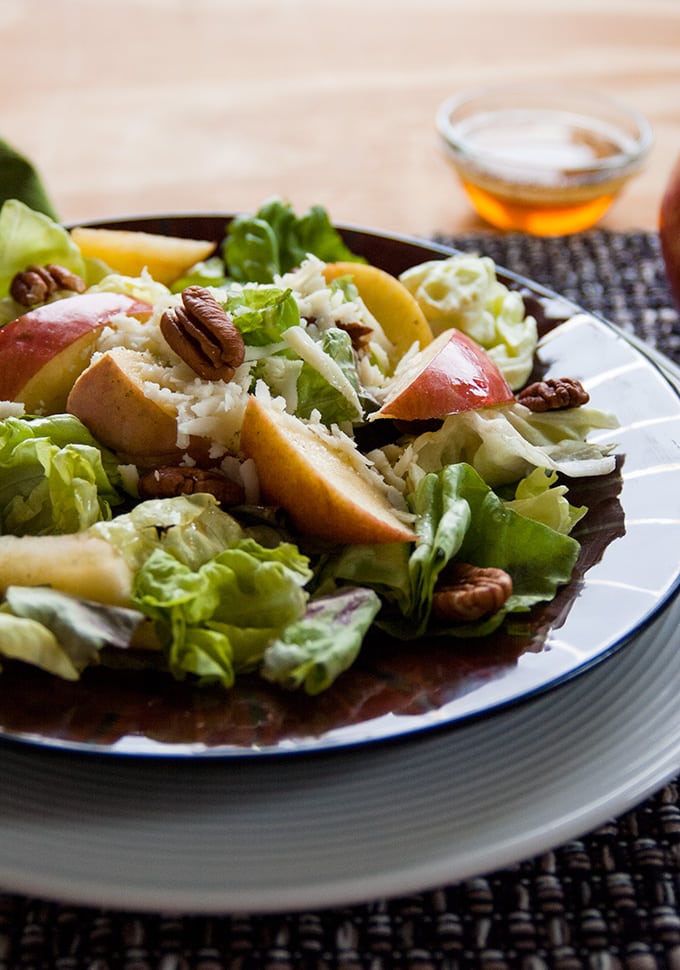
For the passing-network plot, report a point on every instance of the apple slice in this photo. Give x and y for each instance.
(315, 482)
(111, 400)
(44, 351)
(387, 299)
(450, 375)
(129, 252)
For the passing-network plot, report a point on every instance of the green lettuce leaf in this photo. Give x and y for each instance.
(540, 497)
(54, 477)
(263, 313)
(458, 518)
(314, 650)
(82, 629)
(275, 240)
(217, 620)
(26, 237)
(190, 528)
(505, 443)
(316, 393)
(30, 641)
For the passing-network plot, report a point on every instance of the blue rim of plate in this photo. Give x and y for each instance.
(630, 572)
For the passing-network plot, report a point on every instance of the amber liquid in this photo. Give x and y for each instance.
(530, 184)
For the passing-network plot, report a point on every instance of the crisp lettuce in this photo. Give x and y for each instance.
(54, 477)
(540, 497)
(26, 237)
(262, 313)
(505, 443)
(458, 517)
(463, 291)
(216, 621)
(190, 528)
(31, 642)
(259, 247)
(336, 401)
(78, 630)
(314, 650)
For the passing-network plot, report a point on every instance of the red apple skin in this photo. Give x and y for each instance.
(34, 340)
(669, 230)
(453, 375)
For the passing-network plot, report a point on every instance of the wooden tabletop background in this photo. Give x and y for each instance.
(146, 106)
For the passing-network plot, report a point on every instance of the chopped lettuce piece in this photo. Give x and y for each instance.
(505, 443)
(207, 272)
(259, 247)
(217, 620)
(540, 497)
(314, 650)
(190, 528)
(328, 381)
(31, 642)
(143, 288)
(463, 291)
(262, 313)
(54, 477)
(80, 627)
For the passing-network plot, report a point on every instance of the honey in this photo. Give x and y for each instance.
(543, 172)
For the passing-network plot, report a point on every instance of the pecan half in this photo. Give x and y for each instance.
(465, 593)
(204, 335)
(554, 394)
(172, 480)
(36, 284)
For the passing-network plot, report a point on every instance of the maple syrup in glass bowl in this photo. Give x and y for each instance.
(539, 159)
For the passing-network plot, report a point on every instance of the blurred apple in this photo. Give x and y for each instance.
(669, 230)
(44, 351)
(450, 375)
(110, 399)
(315, 482)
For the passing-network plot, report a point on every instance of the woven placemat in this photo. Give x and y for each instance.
(609, 900)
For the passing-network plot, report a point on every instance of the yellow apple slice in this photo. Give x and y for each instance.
(111, 400)
(81, 564)
(393, 306)
(43, 352)
(129, 252)
(315, 482)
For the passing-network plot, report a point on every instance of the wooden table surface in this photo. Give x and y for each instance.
(146, 106)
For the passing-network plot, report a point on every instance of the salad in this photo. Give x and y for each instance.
(244, 459)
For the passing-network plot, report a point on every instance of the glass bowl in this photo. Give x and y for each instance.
(541, 159)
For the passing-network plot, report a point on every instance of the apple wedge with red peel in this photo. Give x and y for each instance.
(43, 351)
(306, 474)
(450, 375)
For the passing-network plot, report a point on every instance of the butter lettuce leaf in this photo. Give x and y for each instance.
(80, 628)
(54, 477)
(216, 621)
(28, 236)
(458, 518)
(314, 650)
(275, 240)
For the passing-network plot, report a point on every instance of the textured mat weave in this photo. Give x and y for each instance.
(609, 900)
